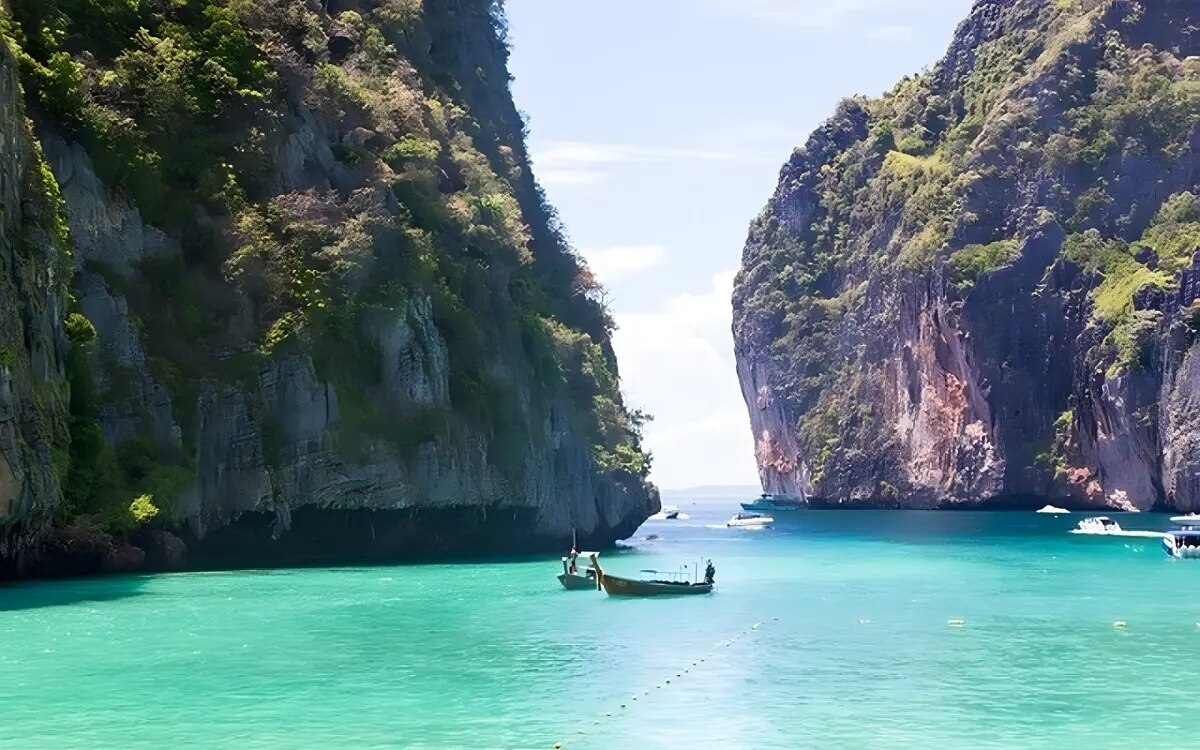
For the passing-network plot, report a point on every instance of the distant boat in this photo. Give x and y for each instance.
(1052, 509)
(668, 513)
(750, 520)
(664, 584)
(1097, 525)
(573, 577)
(775, 503)
(1189, 519)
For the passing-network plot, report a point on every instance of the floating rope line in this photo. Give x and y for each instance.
(678, 675)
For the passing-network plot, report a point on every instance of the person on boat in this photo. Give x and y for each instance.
(710, 572)
(573, 567)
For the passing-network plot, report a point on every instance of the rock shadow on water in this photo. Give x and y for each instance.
(61, 593)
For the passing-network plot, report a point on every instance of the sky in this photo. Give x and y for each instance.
(657, 128)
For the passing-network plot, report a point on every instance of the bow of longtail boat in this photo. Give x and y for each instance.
(617, 586)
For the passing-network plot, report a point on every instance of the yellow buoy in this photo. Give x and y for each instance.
(956, 622)
(1119, 624)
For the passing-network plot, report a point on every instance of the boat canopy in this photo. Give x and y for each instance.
(583, 555)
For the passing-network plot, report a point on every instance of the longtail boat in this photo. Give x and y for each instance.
(667, 584)
(575, 578)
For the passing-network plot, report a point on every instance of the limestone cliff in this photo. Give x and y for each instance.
(980, 288)
(334, 316)
(34, 271)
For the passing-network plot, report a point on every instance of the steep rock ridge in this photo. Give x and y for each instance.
(334, 316)
(980, 287)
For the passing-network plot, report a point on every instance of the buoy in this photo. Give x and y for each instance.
(1119, 624)
(622, 705)
(668, 682)
(634, 697)
(956, 622)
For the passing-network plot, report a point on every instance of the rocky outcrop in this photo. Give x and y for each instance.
(357, 332)
(974, 290)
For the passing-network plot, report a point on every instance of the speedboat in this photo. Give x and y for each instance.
(1189, 519)
(1052, 509)
(668, 513)
(1097, 525)
(1182, 543)
(773, 503)
(752, 520)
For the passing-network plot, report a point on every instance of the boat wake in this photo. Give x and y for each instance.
(727, 526)
(1123, 533)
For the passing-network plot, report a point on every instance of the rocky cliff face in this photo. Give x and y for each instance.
(34, 272)
(333, 316)
(981, 286)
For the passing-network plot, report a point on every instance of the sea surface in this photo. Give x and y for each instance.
(830, 630)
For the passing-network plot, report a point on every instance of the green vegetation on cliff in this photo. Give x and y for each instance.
(327, 171)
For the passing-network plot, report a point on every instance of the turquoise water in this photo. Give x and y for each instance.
(852, 647)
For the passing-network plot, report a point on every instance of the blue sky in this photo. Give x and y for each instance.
(658, 128)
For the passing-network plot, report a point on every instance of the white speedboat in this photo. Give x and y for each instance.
(1183, 543)
(1188, 519)
(1052, 509)
(1097, 525)
(750, 520)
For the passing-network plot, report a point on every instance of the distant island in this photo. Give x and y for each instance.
(711, 492)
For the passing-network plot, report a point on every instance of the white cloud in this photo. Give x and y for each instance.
(569, 177)
(577, 163)
(613, 263)
(677, 363)
(895, 33)
(825, 14)
(556, 153)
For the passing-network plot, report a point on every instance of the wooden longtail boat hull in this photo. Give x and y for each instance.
(617, 586)
(576, 582)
